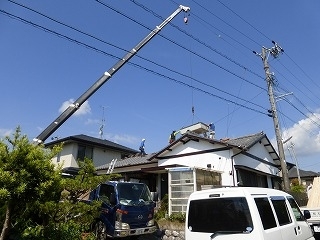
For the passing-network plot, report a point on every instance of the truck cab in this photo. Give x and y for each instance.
(127, 210)
(245, 213)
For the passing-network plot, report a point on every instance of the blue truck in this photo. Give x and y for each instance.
(127, 210)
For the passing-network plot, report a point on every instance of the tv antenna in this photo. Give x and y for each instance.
(103, 123)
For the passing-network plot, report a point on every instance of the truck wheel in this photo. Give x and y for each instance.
(100, 231)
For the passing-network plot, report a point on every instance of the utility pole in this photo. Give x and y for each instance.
(296, 161)
(275, 52)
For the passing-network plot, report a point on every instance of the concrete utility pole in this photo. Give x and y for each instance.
(296, 161)
(275, 51)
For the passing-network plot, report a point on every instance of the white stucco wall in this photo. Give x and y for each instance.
(102, 156)
(69, 153)
(260, 151)
(220, 161)
(66, 157)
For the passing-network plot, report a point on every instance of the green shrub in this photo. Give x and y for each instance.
(179, 217)
(163, 210)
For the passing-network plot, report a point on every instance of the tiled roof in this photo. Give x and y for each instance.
(293, 173)
(137, 159)
(92, 141)
(245, 141)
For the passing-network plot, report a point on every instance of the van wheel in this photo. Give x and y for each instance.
(100, 231)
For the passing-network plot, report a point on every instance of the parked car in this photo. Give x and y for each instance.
(245, 213)
(314, 220)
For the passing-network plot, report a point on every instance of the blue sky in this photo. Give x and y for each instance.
(51, 52)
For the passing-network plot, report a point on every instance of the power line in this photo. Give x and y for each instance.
(206, 9)
(291, 83)
(130, 63)
(91, 36)
(119, 12)
(314, 82)
(245, 22)
(298, 88)
(302, 84)
(202, 43)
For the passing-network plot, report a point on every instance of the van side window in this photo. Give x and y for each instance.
(266, 214)
(296, 210)
(280, 206)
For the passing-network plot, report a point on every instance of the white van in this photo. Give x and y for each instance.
(245, 213)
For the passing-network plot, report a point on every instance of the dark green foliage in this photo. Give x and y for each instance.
(179, 217)
(296, 187)
(27, 176)
(72, 216)
(36, 201)
(298, 191)
(163, 210)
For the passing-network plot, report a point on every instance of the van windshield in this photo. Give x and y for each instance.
(133, 194)
(228, 215)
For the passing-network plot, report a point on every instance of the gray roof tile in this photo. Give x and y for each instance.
(93, 141)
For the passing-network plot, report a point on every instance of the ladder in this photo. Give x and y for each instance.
(111, 166)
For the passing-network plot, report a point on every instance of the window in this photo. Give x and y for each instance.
(280, 206)
(133, 194)
(251, 179)
(84, 152)
(105, 192)
(207, 179)
(219, 214)
(181, 187)
(266, 214)
(296, 210)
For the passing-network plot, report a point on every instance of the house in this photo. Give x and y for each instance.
(76, 148)
(305, 176)
(191, 162)
(197, 161)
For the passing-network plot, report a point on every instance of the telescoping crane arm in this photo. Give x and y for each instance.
(104, 78)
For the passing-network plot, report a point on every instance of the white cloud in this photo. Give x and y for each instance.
(83, 110)
(305, 136)
(123, 139)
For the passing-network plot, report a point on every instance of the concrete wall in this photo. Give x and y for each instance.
(69, 153)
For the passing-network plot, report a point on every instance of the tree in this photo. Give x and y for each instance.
(72, 216)
(27, 176)
(38, 203)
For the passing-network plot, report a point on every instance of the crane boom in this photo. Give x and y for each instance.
(103, 79)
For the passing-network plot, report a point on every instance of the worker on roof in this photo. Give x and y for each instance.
(141, 148)
(212, 129)
(172, 136)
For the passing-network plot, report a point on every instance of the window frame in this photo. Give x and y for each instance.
(86, 152)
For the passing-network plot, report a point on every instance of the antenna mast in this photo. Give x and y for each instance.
(103, 123)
